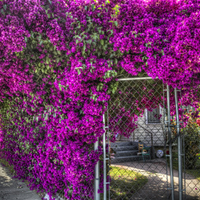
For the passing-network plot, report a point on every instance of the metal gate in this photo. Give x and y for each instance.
(142, 145)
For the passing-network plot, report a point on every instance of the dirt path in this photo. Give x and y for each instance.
(157, 181)
(14, 189)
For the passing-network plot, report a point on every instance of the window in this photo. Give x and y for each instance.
(153, 116)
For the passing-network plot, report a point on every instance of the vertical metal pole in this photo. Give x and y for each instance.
(104, 160)
(170, 144)
(96, 181)
(184, 166)
(183, 154)
(164, 123)
(179, 149)
(108, 135)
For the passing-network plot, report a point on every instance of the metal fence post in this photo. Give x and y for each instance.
(104, 160)
(179, 149)
(96, 181)
(108, 137)
(170, 144)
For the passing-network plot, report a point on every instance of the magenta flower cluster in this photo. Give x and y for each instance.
(58, 62)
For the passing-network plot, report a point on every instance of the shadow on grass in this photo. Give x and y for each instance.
(124, 183)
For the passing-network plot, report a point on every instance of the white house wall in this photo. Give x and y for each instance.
(144, 135)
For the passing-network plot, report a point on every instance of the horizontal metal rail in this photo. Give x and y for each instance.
(134, 78)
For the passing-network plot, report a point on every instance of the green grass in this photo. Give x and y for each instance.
(124, 183)
(195, 172)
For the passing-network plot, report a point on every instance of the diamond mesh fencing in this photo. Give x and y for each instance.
(139, 145)
(189, 152)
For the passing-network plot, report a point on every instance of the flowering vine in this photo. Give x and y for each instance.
(59, 63)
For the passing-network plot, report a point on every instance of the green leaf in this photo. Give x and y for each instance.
(39, 37)
(4, 6)
(116, 23)
(46, 117)
(93, 7)
(158, 30)
(60, 87)
(85, 7)
(113, 90)
(162, 52)
(2, 11)
(79, 72)
(50, 1)
(89, 41)
(111, 32)
(84, 47)
(32, 35)
(102, 42)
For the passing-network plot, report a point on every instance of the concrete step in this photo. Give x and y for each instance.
(124, 148)
(126, 153)
(113, 144)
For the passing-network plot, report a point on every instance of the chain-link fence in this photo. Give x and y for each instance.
(141, 148)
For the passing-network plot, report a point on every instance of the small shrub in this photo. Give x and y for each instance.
(192, 142)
